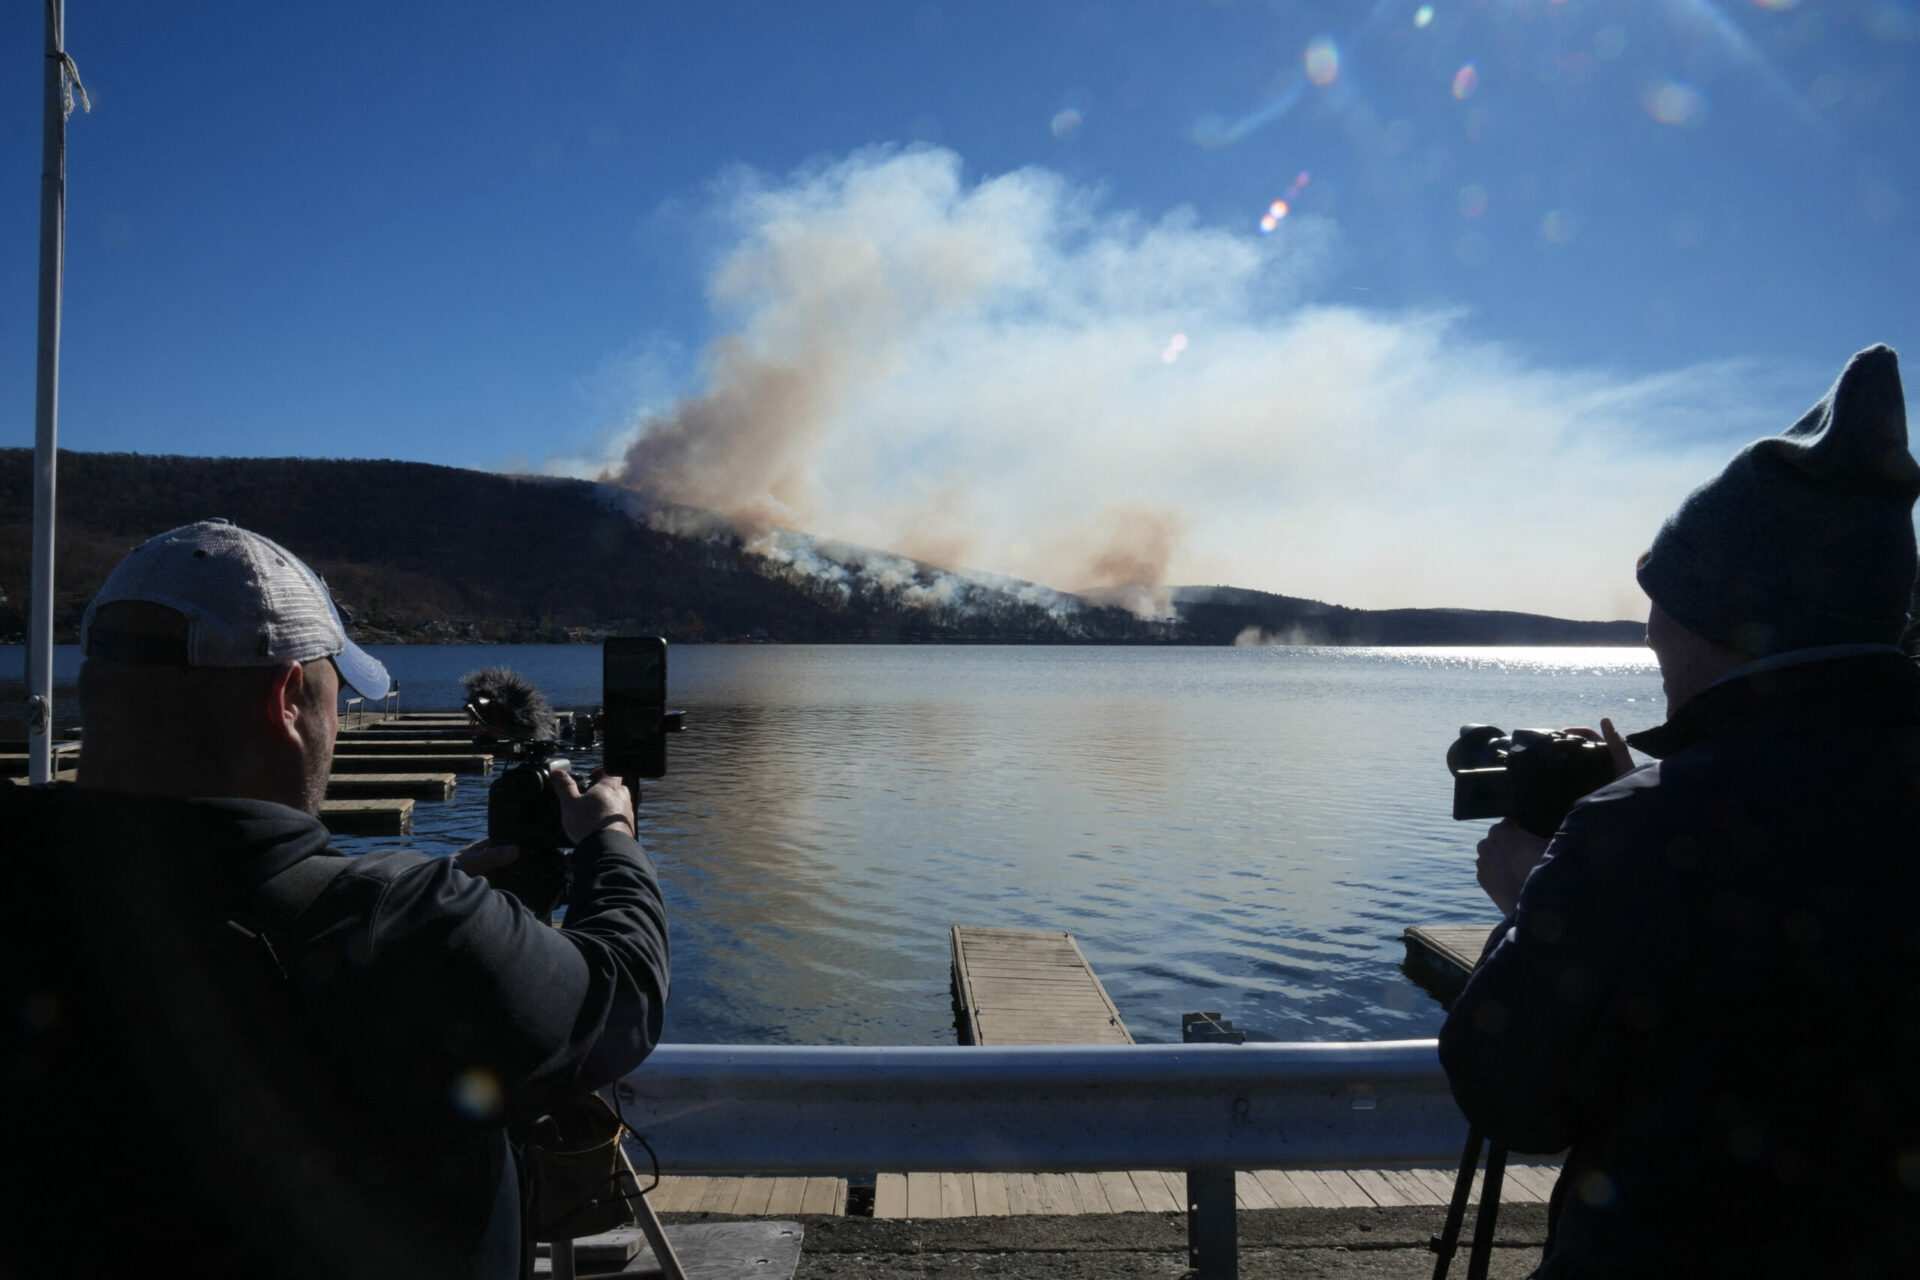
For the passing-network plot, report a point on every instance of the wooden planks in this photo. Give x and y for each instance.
(400, 746)
(367, 817)
(365, 762)
(442, 733)
(1028, 986)
(1000, 1195)
(390, 786)
(1441, 956)
(751, 1197)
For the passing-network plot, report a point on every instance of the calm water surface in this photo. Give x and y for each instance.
(1247, 830)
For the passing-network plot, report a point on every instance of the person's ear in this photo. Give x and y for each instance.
(287, 694)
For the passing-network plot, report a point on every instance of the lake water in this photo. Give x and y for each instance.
(1246, 830)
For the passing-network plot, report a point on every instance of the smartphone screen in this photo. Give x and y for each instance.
(634, 678)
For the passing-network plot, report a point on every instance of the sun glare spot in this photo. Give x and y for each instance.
(1465, 81)
(1176, 347)
(1323, 61)
(1673, 103)
(1423, 16)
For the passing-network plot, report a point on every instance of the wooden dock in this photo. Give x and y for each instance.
(369, 762)
(367, 817)
(1026, 986)
(377, 746)
(1016, 986)
(390, 786)
(1440, 957)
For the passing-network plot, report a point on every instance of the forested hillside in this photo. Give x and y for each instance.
(419, 552)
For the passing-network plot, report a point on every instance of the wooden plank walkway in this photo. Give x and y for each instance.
(750, 1197)
(1027, 986)
(367, 817)
(1440, 957)
(1004, 1195)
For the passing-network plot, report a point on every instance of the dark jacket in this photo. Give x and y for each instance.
(331, 1100)
(1710, 991)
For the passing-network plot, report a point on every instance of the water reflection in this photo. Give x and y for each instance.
(1247, 830)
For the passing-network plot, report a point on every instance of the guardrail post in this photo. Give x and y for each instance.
(1213, 1241)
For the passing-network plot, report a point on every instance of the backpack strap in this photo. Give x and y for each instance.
(285, 896)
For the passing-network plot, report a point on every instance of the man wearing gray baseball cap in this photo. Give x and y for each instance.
(240, 1051)
(1707, 985)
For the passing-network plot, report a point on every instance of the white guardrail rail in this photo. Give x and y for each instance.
(718, 1109)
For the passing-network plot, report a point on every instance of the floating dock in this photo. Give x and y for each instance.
(390, 786)
(1440, 957)
(1026, 986)
(369, 762)
(367, 817)
(403, 746)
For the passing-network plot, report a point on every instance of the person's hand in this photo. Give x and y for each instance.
(483, 859)
(1616, 746)
(1508, 853)
(605, 803)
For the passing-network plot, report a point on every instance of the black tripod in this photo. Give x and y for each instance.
(1448, 1241)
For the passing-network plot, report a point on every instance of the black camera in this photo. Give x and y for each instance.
(513, 718)
(1533, 776)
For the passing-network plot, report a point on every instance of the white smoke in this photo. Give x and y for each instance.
(970, 372)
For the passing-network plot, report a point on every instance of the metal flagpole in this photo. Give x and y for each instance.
(53, 217)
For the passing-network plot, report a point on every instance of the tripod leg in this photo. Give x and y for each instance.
(1448, 1241)
(650, 1224)
(1482, 1255)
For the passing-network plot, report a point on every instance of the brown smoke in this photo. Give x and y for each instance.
(743, 447)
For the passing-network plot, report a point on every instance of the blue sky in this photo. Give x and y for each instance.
(506, 236)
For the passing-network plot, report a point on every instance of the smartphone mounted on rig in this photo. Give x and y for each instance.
(634, 720)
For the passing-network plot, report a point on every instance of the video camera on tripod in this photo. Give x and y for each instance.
(511, 716)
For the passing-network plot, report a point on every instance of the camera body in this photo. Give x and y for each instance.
(513, 718)
(1533, 776)
(523, 811)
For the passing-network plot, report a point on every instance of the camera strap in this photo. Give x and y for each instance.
(1448, 1241)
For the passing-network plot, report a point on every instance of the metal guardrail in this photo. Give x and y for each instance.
(818, 1110)
(1208, 1109)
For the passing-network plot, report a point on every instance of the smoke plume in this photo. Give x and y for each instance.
(1005, 376)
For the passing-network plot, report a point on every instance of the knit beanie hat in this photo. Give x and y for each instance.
(1806, 538)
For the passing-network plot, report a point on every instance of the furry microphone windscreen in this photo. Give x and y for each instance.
(507, 703)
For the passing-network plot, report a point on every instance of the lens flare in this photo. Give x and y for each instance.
(1777, 6)
(1465, 81)
(1423, 16)
(1299, 184)
(1176, 347)
(1673, 103)
(1065, 123)
(1473, 200)
(1323, 61)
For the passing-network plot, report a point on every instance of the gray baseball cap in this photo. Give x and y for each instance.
(248, 601)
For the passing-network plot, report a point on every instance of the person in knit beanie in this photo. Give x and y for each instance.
(1806, 538)
(1706, 989)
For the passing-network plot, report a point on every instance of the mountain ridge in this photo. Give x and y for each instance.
(418, 552)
